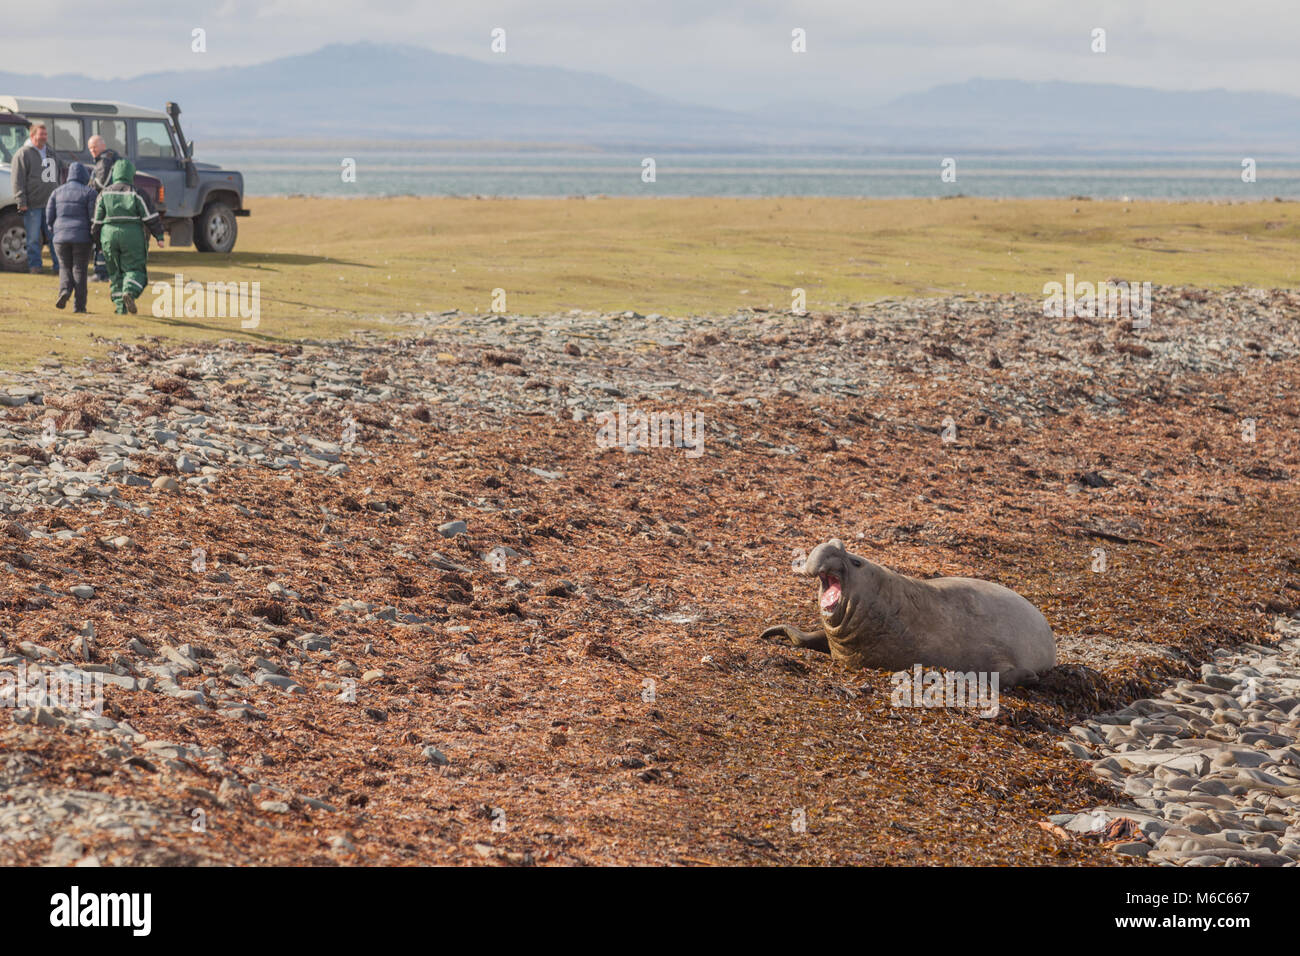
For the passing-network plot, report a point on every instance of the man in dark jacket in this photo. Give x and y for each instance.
(104, 158)
(121, 217)
(69, 213)
(35, 173)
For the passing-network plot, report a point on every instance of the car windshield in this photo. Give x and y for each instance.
(12, 137)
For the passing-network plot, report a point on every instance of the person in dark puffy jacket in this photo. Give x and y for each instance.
(69, 213)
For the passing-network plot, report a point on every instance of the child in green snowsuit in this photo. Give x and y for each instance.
(121, 217)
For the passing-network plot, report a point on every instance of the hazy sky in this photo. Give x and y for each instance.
(731, 53)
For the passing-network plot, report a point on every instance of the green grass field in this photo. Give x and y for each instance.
(328, 266)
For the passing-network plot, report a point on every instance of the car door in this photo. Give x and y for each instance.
(154, 152)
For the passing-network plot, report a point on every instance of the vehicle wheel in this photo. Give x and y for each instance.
(200, 243)
(216, 230)
(13, 243)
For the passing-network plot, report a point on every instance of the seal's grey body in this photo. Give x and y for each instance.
(874, 617)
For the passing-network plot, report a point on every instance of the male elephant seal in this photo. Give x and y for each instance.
(874, 617)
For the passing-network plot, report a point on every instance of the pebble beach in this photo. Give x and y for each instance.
(387, 599)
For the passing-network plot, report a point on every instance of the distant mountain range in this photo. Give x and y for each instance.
(352, 93)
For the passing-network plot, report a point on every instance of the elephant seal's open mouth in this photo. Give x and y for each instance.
(830, 592)
(830, 568)
(832, 600)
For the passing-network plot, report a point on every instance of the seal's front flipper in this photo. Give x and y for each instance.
(798, 638)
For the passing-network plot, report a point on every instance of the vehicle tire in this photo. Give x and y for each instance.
(200, 243)
(13, 243)
(216, 228)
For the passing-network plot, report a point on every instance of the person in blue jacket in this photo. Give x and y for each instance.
(69, 213)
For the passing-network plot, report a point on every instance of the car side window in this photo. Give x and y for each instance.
(68, 136)
(65, 135)
(153, 140)
(12, 137)
(113, 132)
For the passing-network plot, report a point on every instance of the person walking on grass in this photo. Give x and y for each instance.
(68, 213)
(35, 173)
(121, 217)
(104, 156)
